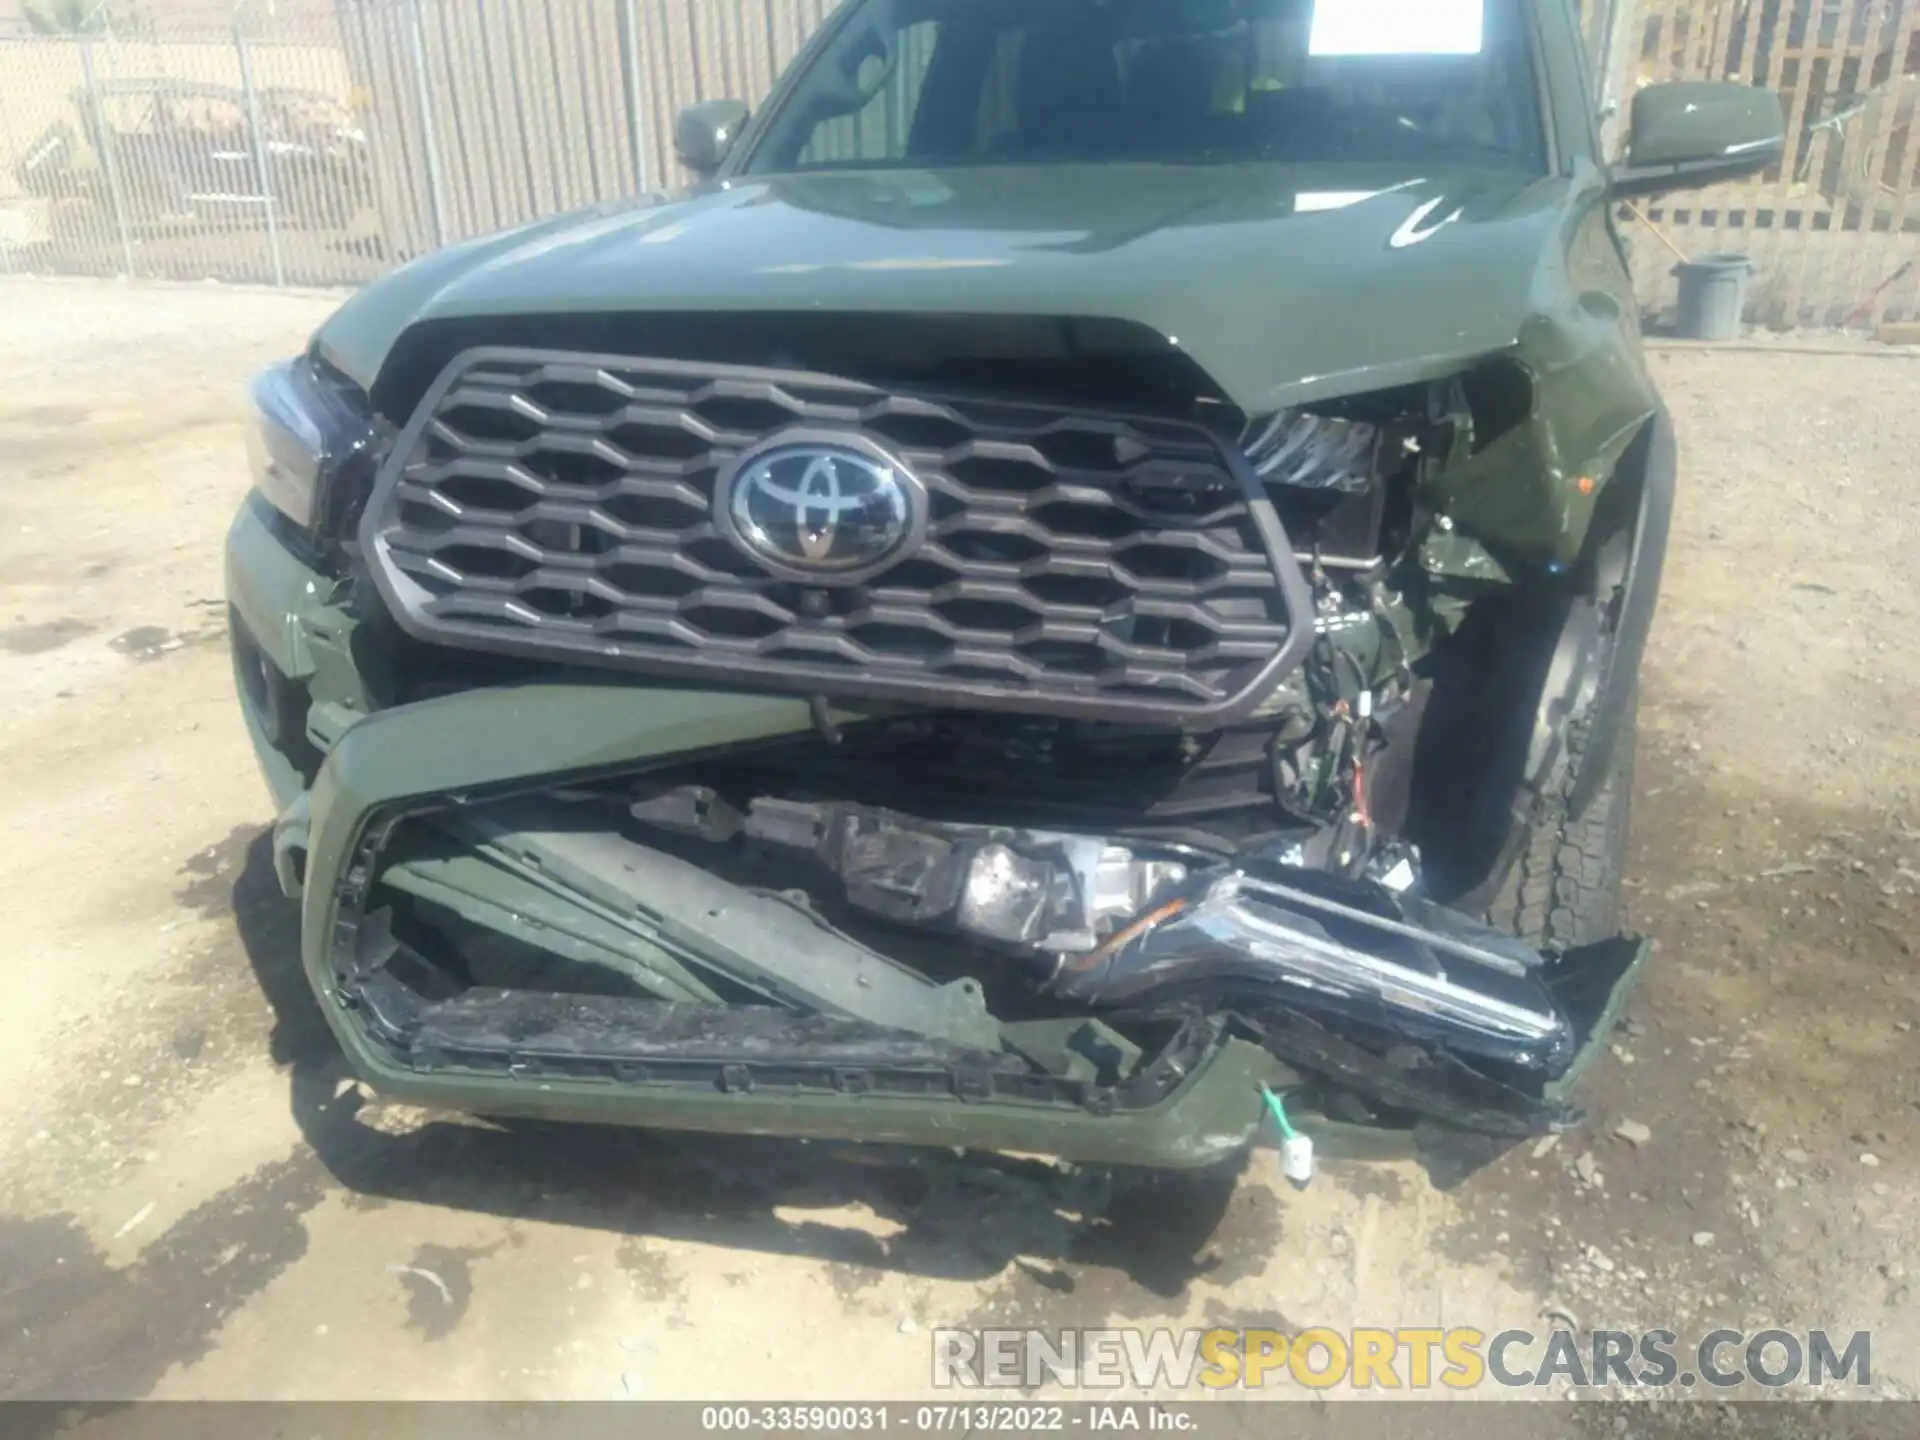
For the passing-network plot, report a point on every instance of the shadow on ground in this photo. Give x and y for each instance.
(960, 1216)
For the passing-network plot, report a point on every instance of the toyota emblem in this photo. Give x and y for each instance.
(820, 509)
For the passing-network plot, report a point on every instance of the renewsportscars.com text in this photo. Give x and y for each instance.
(1406, 1358)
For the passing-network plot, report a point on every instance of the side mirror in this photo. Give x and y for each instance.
(1697, 132)
(704, 133)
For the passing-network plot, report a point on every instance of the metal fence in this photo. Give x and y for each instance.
(323, 146)
(232, 151)
(323, 141)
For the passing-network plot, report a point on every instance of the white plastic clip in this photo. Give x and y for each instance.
(1296, 1158)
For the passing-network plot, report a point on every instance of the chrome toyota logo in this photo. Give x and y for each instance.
(820, 509)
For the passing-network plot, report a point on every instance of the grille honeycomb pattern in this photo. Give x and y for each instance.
(559, 506)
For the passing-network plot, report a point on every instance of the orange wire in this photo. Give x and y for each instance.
(1144, 923)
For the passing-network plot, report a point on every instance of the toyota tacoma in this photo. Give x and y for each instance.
(1088, 570)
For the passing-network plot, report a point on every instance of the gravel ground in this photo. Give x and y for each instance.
(195, 1201)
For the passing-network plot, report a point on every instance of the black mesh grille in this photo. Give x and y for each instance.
(559, 506)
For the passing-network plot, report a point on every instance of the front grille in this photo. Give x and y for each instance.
(561, 507)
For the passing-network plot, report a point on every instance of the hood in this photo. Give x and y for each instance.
(1283, 283)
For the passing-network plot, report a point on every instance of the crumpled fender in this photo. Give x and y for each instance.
(1531, 490)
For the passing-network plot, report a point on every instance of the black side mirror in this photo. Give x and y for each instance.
(704, 133)
(1698, 132)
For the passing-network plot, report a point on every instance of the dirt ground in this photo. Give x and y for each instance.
(196, 1201)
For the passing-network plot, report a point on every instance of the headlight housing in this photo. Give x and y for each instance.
(312, 443)
(1314, 452)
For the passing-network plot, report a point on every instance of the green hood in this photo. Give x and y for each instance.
(1283, 283)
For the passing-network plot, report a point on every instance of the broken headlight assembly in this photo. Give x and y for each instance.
(1334, 470)
(312, 442)
(1314, 452)
(1030, 889)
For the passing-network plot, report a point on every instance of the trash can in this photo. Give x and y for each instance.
(1713, 296)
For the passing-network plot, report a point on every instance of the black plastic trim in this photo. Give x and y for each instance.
(739, 1049)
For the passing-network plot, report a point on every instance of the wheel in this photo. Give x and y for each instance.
(1564, 887)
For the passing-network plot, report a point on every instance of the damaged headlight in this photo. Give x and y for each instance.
(1005, 894)
(1059, 892)
(1314, 452)
(311, 442)
(1038, 889)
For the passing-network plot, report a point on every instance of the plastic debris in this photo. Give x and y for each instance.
(139, 1215)
(427, 1275)
(1633, 1132)
(1296, 1150)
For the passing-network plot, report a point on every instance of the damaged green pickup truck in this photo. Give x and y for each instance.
(1096, 560)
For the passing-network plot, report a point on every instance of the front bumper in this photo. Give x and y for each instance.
(366, 765)
(898, 1058)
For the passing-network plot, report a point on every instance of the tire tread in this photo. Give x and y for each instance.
(1564, 887)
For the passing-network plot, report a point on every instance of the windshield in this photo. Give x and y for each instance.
(935, 83)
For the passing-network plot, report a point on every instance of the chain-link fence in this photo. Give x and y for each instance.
(233, 151)
(323, 141)
(321, 146)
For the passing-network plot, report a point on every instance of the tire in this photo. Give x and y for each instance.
(1564, 887)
